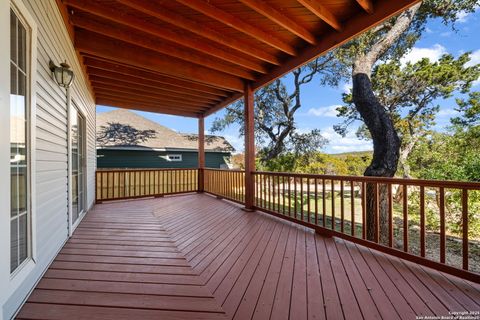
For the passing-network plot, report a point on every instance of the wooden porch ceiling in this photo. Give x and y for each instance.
(193, 57)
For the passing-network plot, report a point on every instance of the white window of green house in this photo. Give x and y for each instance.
(174, 157)
(77, 136)
(20, 211)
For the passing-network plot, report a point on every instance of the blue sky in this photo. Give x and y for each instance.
(318, 103)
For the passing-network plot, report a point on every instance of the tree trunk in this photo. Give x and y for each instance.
(386, 143)
(386, 149)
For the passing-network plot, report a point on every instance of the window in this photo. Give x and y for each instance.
(77, 136)
(20, 212)
(174, 157)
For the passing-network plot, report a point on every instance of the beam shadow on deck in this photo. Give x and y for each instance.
(196, 257)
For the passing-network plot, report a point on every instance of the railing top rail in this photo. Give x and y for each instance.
(225, 170)
(401, 181)
(143, 169)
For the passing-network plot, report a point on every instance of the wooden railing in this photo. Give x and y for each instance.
(228, 184)
(423, 221)
(128, 184)
(434, 223)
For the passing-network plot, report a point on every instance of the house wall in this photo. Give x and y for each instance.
(49, 140)
(156, 159)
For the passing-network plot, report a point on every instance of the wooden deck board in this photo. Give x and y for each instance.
(197, 257)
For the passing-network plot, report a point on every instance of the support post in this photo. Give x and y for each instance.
(249, 147)
(201, 153)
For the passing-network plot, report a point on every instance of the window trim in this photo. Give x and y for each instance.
(180, 158)
(23, 15)
(72, 104)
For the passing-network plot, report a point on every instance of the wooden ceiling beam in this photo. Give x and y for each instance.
(280, 18)
(227, 101)
(141, 93)
(172, 91)
(105, 101)
(367, 5)
(384, 10)
(193, 26)
(146, 41)
(323, 13)
(164, 80)
(112, 14)
(127, 97)
(232, 21)
(115, 50)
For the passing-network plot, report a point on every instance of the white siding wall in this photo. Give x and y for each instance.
(51, 145)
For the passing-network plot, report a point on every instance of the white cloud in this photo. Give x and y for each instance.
(447, 112)
(349, 143)
(416, 54)
(462, 16)
(330, 111)
(474, 59)
(347, 87)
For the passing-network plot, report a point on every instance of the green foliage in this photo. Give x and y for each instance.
(353, 163)
(470, 111)
(448, 156)
(409, 92)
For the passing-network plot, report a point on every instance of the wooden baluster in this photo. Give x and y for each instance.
(264, 191)
(316, 201)
(342, 208)
(269, 183)
(352, 209)
(278, 194)
(465, 228)
(324, 203)
(255, 201)
(108, 185)
(301, 198)
(128, 184)
(364, 212)
(442, 225)
(168, 182)
(273, 193)
(422, 221)
(405, 218)
(149, 182)
(390, 215)
(333, 204)
(283, 195)
(101, 186)
(144, 175)
(98, 185)
(377, 214)
(295, 196)
(177, 180)
(308, 199)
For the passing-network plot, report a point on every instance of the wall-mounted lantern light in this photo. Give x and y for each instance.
(62, 74)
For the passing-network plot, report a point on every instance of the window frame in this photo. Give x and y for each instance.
(180, 158)
(24, 16)
(72, 225)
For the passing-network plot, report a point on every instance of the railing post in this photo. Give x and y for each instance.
(249, 147)
(201, 153)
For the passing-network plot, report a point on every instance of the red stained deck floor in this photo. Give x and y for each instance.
(196, 257)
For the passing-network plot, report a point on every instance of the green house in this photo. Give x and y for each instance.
(127, 140)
